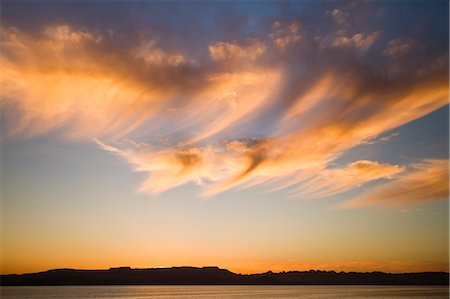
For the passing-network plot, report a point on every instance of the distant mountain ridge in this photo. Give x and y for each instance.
(217, 276)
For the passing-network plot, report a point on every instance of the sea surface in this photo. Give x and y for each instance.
(225, 292)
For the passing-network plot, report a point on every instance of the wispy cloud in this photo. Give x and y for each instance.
(310, 95)
(62, 78)
(68, 79)
(168, 168)
(426, 181)
(284, 33)
(337, 180)
(361, 42)
(398, 47)
(233, 51)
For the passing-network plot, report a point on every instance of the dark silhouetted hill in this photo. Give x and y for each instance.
(216, 276)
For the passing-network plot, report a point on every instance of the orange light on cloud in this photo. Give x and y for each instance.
(64, 80)
(427, 181)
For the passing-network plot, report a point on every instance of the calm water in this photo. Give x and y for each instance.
(225, 292)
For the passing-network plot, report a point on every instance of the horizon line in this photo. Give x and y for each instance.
(218, 268)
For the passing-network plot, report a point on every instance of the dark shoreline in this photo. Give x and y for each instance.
(216, 276)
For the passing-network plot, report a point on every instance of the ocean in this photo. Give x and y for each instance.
(225, 292)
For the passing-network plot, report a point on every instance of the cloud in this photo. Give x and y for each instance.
(398, 47)
(338, 180)
(321, 135)
(153, 55)
(244, 115)
(63, 78)
(426, 181)
(383, 139)
(361, 42)
(174, 166)
(171, 167)
(62, 35)
(234, 51)
(284, 34)
(339, 16)
(234, 97)
(67, 79)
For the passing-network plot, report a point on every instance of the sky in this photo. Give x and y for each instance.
(249, 135)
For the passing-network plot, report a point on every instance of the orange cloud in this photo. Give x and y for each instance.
(359, 41)
(233, 51)
(233, 97)
(151, 54)
(66, 79)
(295, 158)
(398, 47)
(168, 168)
(284, 34)
(171, 167)
(59, 79)
(73, 82)
(337, 180)
(427, 181)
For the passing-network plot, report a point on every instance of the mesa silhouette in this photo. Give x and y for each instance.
(217, 276)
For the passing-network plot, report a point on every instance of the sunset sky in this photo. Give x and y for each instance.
(250, 135)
